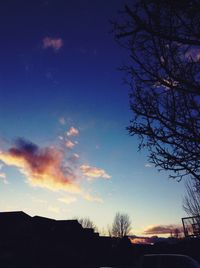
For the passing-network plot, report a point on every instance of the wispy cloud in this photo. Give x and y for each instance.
(3, 176)
(148, 165)
(62, 121)
(92, 198)
(74, 157)
(161, 229)
(38, 200)
(54, 209)
(67, 199)
(72, 132)
(42, 166)
(54, 43)
(94, 172)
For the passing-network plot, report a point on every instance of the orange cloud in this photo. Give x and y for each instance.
(51, 168)
(55, 43)
(42, 167)
(73, 132)
(140, 240)
(94, 172)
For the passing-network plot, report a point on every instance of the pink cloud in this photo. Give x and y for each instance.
(54, 43)
(72, 132)
(43, 167)
(51, 168)
(69, 144)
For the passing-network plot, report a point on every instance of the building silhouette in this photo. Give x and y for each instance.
(46, 242)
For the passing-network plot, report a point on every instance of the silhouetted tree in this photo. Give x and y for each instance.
(163, 40)
(177, 233)
(191, 201)
(121, 225)
(87, 223)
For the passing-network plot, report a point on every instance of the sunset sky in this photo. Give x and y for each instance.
(64, 148)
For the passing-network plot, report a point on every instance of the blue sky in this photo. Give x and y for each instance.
(58, 72)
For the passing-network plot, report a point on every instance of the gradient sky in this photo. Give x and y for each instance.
(62, 99)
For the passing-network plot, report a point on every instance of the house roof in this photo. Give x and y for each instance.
(14, 214)
(43, 219)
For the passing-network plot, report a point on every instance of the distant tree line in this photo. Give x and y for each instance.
(120, 227)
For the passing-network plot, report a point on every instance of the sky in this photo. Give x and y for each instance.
(64, 148)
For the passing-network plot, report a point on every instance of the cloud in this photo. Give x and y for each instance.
(54, 43)
(148, 165)
(67, 199)
(2, 175)
(54, 209)
(69, 144)
(91, 198)
(74, 157)
(3, 178)
(62, 121)
(73, 132)
(43, 167)
(38, 200)
(94, 172)
(53, 168)
(161, 229)
(140, 240)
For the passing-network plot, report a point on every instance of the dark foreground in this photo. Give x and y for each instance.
(37, 242)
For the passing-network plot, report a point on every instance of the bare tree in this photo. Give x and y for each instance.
(121, 225)
(191, 201)
(163, 40)
(87, 223)
(177, 233)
